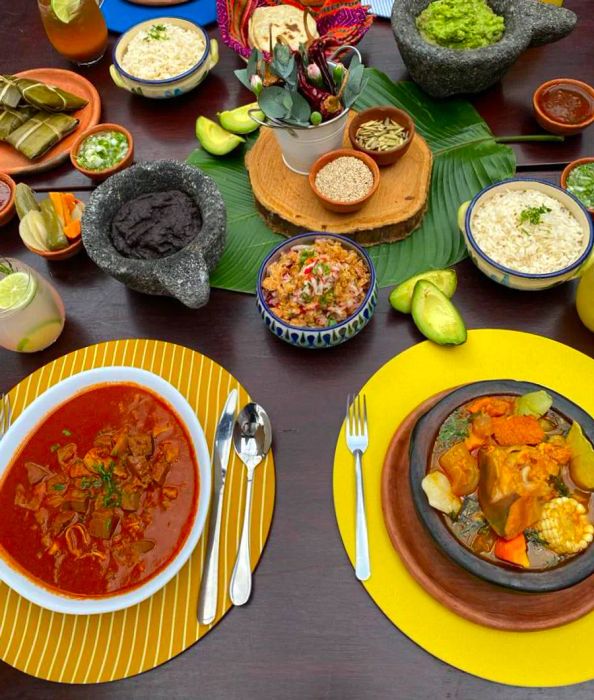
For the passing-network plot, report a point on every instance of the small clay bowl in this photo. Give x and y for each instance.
(102, 174)
(344, 207)
(569, 168)
(8, 210)
(556, 127)
(55, 255)
(383, 158)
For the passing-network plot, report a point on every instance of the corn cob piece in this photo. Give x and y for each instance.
(565, 526)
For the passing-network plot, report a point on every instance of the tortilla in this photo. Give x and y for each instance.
(279, 21)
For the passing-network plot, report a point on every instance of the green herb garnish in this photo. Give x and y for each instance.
(113, 495)
(66, 432)
(59, 487)
(305, 255)
(535, 537)
(533, 215)
(558, 484)
(55, 447)
(454, 429)
(158, 32)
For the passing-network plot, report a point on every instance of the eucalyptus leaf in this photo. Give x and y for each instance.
(273, 102)
(466, 159)
(301, 109)
(283, 64)
(244, 78)
(354, 86)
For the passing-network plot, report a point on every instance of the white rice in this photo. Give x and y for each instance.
(149, 58)
(554, 243)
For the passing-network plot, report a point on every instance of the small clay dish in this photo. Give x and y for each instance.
(102, 174)
(7, 211)
(569, 168)
(557, 127)
(383, 158)
(55, 255)
(423, 437)
(337, 206)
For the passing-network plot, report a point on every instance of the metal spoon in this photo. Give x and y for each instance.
(252, 437)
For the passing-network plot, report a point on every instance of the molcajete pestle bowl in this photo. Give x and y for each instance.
(443, 72)
(184, 274)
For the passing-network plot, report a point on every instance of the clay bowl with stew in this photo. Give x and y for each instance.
(548, 122)
(335, 205)
(183, 274)
(315, 338)
(567, 171)
(106, 172)
(515, 278)
(423, 437)
(383, 158)
(8, 210)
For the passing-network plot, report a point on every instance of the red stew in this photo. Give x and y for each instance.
(567, 104)
(4, 194)
(101, 495)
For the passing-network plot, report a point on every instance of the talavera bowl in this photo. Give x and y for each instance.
(443, 72)
(183, 275)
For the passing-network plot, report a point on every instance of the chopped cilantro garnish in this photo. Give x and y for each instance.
(158, 32)
(55, 447)
(532, 215)
(305, 255)
(112, 496)
(66, 432)
(59, 487)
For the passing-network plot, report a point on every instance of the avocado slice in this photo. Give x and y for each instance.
(461, 216)
(401, 296)
(435, 315)
(238, 120)
(214, 139)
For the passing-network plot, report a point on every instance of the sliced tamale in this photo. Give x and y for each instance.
(11, 119)
(48, 97)
(10, 95)
(44, 130)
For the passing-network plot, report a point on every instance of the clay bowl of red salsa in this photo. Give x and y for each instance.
(564, 106)
(104, 491)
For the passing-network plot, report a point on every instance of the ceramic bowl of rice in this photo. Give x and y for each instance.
(527, 234)
(163, 58)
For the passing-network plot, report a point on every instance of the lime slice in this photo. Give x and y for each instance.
(16, 290)
(65, 10)
(41, 336)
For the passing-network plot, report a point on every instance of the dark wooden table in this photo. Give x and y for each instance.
(310, 631)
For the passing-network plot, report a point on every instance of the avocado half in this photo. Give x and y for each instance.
(239, 121)
(214, 139)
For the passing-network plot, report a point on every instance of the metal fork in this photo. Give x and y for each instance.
(5, 415)
(357, 438)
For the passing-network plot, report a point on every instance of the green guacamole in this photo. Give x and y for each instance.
(460, 24)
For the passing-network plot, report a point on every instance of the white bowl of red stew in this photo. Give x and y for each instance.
(104, 490)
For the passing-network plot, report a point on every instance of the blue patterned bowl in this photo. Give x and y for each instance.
(315, 338)
(525, 280)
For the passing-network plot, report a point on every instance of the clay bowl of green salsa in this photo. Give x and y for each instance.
(578, 178)
(448, 425)
(102, 150)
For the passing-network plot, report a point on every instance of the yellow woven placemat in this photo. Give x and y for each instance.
(96, 648)
(552, 657)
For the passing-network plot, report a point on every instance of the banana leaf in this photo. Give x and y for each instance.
(36, 136)
(11, 119)
(48, 97)
(10, 95)
(466, 159)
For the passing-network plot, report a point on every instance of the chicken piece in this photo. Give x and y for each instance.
(95, 459)
(66, 454)
(78, 469)
(36, 473)
(170, 450)
(159, 471)
(61, 521)
(26, 500)
(141, 444)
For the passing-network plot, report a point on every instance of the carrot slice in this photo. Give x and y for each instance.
(72, 229)
(513, 551)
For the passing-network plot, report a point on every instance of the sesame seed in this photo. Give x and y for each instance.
(344, 179)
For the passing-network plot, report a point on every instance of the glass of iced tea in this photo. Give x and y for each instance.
(75, 28)
(31, 310)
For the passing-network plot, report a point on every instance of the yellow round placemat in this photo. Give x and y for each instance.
(554, 657)
(97, 648)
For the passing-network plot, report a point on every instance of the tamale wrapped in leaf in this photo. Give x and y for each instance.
(11, 119)
(44, 130)
(10, 95)
(48, 97)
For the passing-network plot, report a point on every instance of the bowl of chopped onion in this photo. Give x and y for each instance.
(317, 290)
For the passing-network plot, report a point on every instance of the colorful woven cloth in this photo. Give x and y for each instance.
(339, 22)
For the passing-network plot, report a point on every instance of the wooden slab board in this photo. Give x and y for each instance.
(288, 205)
(460, 591)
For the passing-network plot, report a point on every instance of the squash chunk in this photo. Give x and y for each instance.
(461, 468)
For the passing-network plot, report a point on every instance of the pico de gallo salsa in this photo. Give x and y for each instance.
(102, 494)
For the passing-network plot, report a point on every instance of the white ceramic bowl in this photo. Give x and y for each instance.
(34, 414)
(170, 87)
(524, 280)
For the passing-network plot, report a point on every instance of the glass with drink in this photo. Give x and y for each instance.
(75, 28)
(31, 311)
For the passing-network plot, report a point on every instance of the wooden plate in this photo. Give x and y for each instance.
(460, 591)
(13, 162)
(288, 205)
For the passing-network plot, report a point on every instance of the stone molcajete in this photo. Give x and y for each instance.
(443, 72)
(183, 274)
